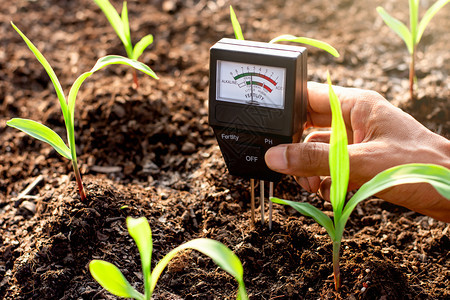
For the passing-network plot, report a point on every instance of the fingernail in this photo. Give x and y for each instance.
(276, 158)
(314, 183)
(324, 190)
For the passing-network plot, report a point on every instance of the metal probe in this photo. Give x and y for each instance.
(252, 195)
(270, 204)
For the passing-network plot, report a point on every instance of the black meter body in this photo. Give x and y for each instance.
(257, 99)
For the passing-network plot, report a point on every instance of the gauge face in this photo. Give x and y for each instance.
(250, 84)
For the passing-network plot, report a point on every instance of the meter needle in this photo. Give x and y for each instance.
(261, 187)
(252, 197)
(251, 88)
(270, 204)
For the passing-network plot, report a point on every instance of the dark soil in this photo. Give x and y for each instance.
(151, 153)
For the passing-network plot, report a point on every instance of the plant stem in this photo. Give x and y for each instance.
(78, 179)
(336, 270)
(135, 80)
(73, 151)
(412, 75)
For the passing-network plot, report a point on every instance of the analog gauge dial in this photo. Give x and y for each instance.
(250, 84)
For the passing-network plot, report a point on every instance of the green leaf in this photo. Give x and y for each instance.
(309, 211)
(307, 41)
(116, 59)
(114, 19)
(71, 112)
(110, 278)
(42, 133)
(236, 26)
(141, 45)
(140, 231)
(429, 14)
(126, 30)
(217, 251)
(338, 157)
(437, 176)
(73, 93)
(398, 27)
(48, 69)
(413, 19)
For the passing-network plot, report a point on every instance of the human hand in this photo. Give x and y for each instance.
(379, 135)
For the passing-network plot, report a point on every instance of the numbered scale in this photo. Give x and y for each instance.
(257, 99)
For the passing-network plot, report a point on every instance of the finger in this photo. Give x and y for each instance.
(301, 159)
(324, 136)
(311, 159)
(310, 184)
(319, 111)
(318, 137)
(324, 189)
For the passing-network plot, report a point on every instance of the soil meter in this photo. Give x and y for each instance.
(257, 99)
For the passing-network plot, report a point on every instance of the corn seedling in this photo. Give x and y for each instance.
(45, 134)
(284, 38)
(110, 277)
(437, 176)
(411, 36)
(121, 26)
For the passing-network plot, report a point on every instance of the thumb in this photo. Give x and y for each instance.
(311, 159)
(301, 159)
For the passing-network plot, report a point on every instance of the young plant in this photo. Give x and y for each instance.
(412, 36)
(122, 27)
(437, 176)
(110, 277)
(45, 134)
(284, 38)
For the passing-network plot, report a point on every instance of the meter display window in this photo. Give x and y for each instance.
(249, 84)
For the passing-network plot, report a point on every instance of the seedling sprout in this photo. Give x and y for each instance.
(45, 134)
(437, 176)
(412, 36)
(121, 25)
(110, 277)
